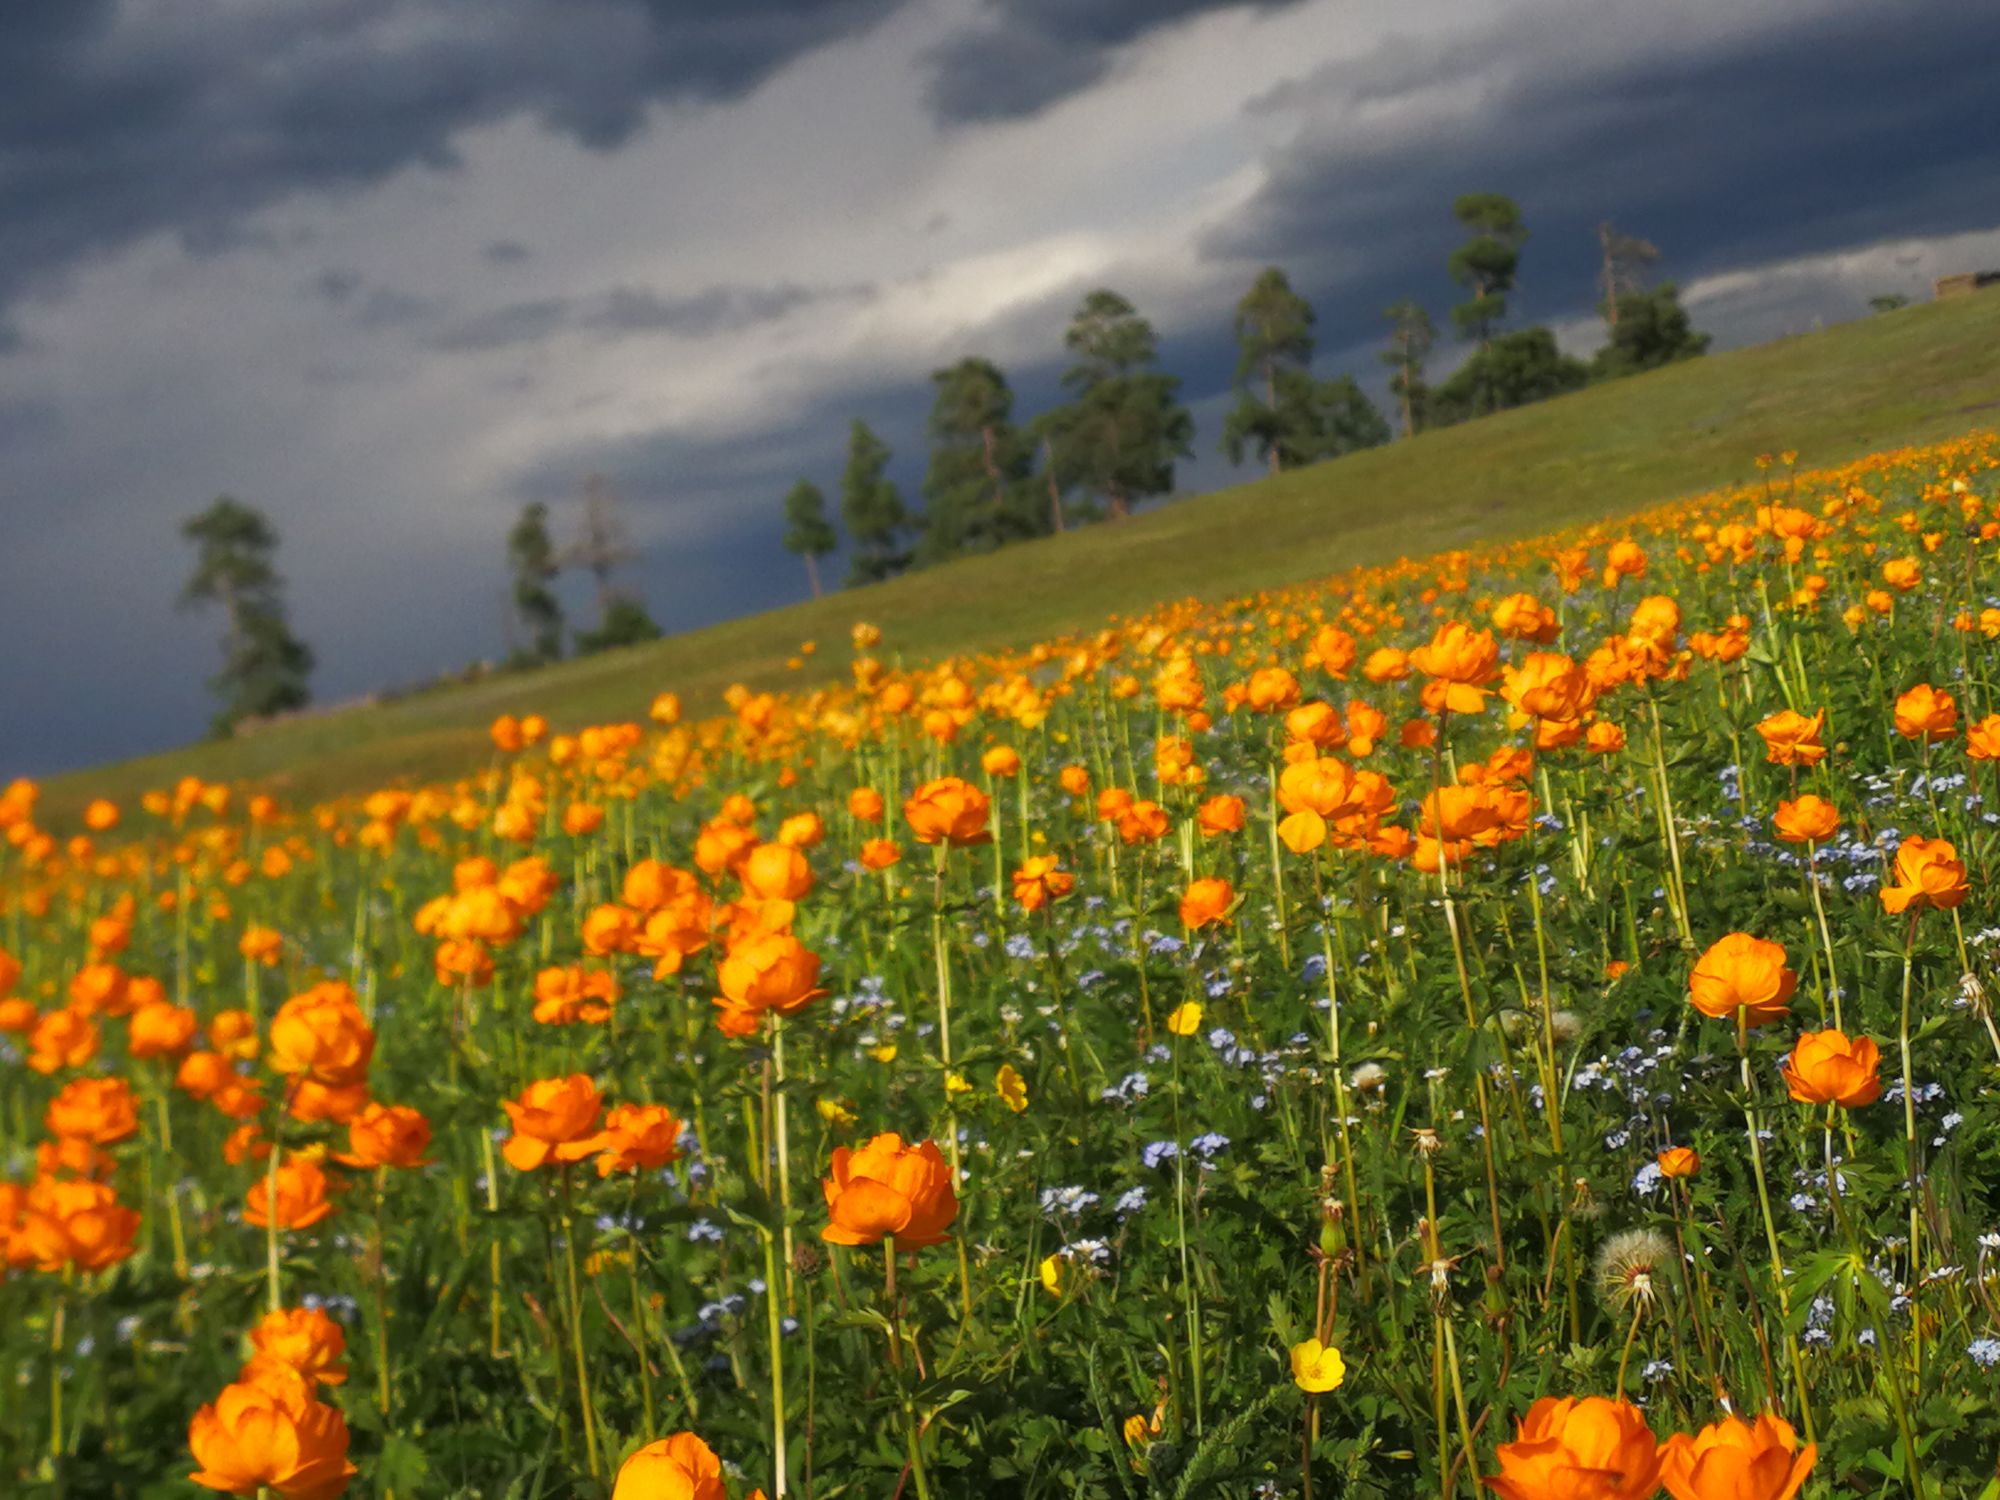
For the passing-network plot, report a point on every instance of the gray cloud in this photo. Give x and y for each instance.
(1025, 55)
(716, 309)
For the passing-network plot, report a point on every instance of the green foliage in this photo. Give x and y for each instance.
(1486, 264)
(980, 490)
(1652, 330)
(1513, 370)
(531, 555)
(808, 533)
(625, 623)
(1411, 337)
(265, 668)
(1124, 427)
(877, 524)
(1310, 420)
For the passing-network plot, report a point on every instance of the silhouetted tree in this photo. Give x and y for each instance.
(531, 556)
(1487, 264)
(979, 489)
(877, 524)
(1411, 336)
(1119, 435)
(808, 533)
(264, 666)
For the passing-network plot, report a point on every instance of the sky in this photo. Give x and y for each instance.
(390, 269)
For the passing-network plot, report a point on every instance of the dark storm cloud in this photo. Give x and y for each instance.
(1024, 55)
(1850, 124)
(503, 327)
(507, 252)
(716, 309)
(118, 121)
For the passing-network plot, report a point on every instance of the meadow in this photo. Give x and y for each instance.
(1518, 1020)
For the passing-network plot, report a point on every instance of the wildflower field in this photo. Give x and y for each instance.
(1517, 1020)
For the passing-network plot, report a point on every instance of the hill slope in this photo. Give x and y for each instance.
(1920, 373)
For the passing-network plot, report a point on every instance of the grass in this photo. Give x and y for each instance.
(1917, 374)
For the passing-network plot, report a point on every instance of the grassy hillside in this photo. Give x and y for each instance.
(1921, 373)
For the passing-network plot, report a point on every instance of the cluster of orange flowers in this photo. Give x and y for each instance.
(1568, 1447)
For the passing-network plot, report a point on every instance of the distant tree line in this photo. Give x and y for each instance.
(993, 479)
(1113, 444)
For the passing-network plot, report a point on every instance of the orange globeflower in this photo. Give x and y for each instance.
(776, 872)
(1928, 873)
(1604, 738)
(638, 1135)
(1075, 780)
(1579, 1449)
(387, 1135)
(889, 1188)
(1142, 822)
(948, 811)
(1220, 814)
(1206, 901)
(1549, 685)
(865, 803)
(1271, 689)
(1386, 664)
(305, 1340)
(1460, 662)
(1926, 713)
(1791, 739)
(1679, 1161)
(267, 1432)
(1982, 740)
(1829, 1067)
(1810, 820)
(72, 1222)
(99, 1110)
(1734, 1460)
(572, 993)
(18, 1015)
(681, 1467)
(100, 816)
(302, 1196)
(554, 1118)
(1041, 879)
(769, 971)
(261, 945)
(322, 1035)
(159, 1028)
(879, 854)
(1001, 760)
(61, 1039)
(1741, 973)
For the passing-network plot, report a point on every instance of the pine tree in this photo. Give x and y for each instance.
(1274, 341)
(1411, 336)
(979, 489)
(1486, 264)
(532, 557)
(1624, 260)
(808, 533)
(877, 524)
(1120, 434)
(264, 666)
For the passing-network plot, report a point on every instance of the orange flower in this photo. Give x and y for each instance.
(1982, 740)
(387, 1135)
(1605, 738)
(159, 1029)
(1386, 664)
(1041, 879)
(99, 1110)
(638, 1135)
(233, 1033)
(18, 1015)
(267, 1432)
(1791, 739)
(1926, 713)
(261, 945)
(769, 971)
(1810, 820)
(1928, 873)
(1074, 780)
(879, 854)
(1001, 760)
(1579, 1449)
(1679, 1161)
(681, 1467)
(554, 1118)
(888, 1188)
(322, 1035)
(775, 872)
(1271, 689)
(304, 1340)
(948, 811)
(302, 1195)
(1460, 662)
(73, 1222)
(1741, 973)
(1827, 1067)
(865, 803)
(1206, 901)
(1142, 822)
(1549, 685)
(61, 1039)
(1733, 1460)
(1220, 814)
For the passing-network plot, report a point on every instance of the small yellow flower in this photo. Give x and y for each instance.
(886, 1053)
(954, 1083)
(1137, 1433)
(1010, 1086)
(1185, 1019)
(835, 1111)
(1317, 1368)
(1052, 1274)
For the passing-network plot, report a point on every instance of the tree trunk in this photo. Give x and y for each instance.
(1271, 405)
(812, 573)
(1055, 493)
(1610, 276)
